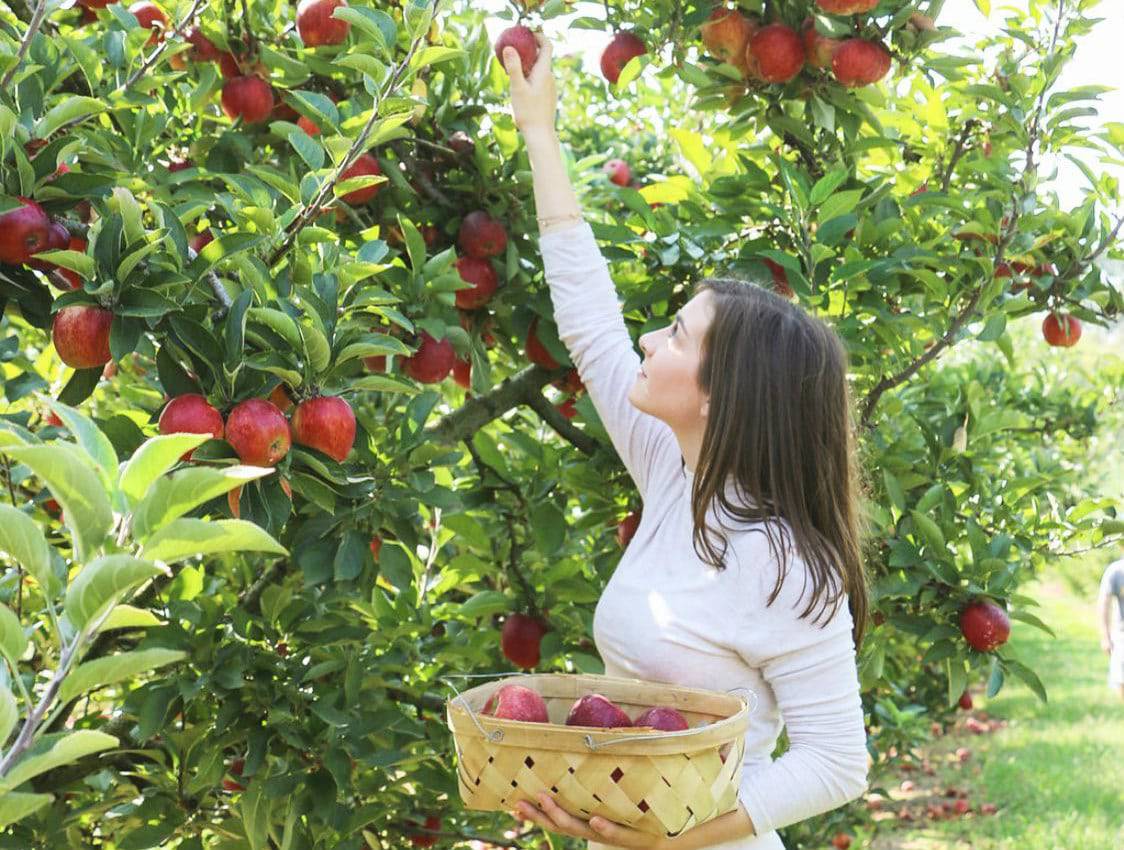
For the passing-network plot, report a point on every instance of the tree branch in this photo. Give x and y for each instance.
(478, 411)
(177, 31)
(419, 174)
(314, 207)
(551, 415)
(958, 151)
(25, 45)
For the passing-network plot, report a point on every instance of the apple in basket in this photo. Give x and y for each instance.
(662, 717)
(596, 710)
(516, 702)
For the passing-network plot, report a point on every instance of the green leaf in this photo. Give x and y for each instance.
(185, 538)
(957, 679)
(1027, 617)
(256, 805)
(153, 459)
(102, 582)
(89, 437)
(826, 185)
(112, 669)
(840, 203)
(77, 488)
(9, 714)
(75, 261)
(13, 641)
(174, 495)
(72, 108)
(316, 347)
(131, 215)
(16, 805)
(53, 751)
(1027, 675)
(931, 532)
(275, 320)
(21, 538)
(129, 617)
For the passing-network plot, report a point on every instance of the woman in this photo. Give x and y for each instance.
(775, 600)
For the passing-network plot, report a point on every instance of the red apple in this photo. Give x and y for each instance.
(780, 278)
(627, 528)
(987, 808)
(618, 171)
(462, 373)
(818, 49)
(516, 702)
(962, 807)
(375, 363)
(858, 62)
(280, 399)
(624, 47)
(846, 7)
(58, 239)
(202, 48)
(664, 718)
(433, 360)
(316, 24)
(568, 408)
(963, 754)
(985, 625)
(258, 432)
(1061, 329)
(726, 36)
(433, 823)
(483, 279)
(325, 423)
(23, 231)
(308, 125)
(520, 39)
(536, 351)
(376, 546)
(152, 16)
(248, 98)
(229, 66)
(597, 710)
(232, 786)
(81, 335)
(520, 640)
(965, 701)
(190, 414)
(571, 382)
(365, 165)
(775, 54)
(841, 841)
(481, 236)
(201, 240)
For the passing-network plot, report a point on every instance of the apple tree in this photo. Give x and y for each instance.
(284, 229)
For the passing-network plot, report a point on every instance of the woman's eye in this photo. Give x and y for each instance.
(673, 330)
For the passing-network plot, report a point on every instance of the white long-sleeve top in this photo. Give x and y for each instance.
(667, 616)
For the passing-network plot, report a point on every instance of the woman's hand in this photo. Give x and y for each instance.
(552, 818)
(534, 99)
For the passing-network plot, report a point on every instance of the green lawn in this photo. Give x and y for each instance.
(1056, 771)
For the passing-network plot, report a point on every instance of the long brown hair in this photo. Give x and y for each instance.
(781, 422)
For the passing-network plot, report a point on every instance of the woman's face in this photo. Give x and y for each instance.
(668, 387)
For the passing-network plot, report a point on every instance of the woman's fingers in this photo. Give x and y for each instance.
(513, 64)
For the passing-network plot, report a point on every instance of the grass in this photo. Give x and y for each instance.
(1055, 771)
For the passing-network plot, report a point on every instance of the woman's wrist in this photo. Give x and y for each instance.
(538, 136)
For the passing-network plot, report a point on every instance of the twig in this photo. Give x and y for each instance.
(958, 151)
(551, 415)
(423, 181)
(25, 45)
(1008, 232)
(314, 207)
(176, 32)
(248, 33)
(250, 596)
(221, 295)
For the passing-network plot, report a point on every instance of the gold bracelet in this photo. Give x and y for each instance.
(552, 219)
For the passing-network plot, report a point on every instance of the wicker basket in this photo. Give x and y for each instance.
(662, 783)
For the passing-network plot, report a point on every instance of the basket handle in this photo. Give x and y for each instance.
(496, 735)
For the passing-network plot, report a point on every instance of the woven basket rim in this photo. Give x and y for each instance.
(463, 715)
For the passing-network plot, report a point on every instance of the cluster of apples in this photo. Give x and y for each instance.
(776, 53)
(257, 429)
(518, 702)
(623, 47)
